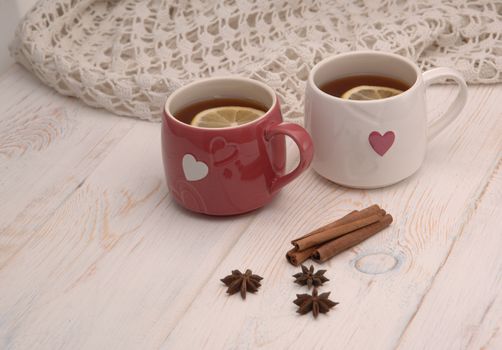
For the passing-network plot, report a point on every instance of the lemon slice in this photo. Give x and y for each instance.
(367, 92)
(225, 117)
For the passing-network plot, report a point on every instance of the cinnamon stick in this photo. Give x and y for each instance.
(336, 246)
(329, 232)
(337, 231)
(344, 220)
(296, 257)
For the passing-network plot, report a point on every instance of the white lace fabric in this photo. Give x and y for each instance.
(128, 56)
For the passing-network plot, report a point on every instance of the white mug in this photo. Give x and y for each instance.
(373, 143)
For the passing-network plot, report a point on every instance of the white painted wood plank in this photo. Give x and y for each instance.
(114, 264)
(49, 144)
(117, 264)
(463, 309)
(380, 283)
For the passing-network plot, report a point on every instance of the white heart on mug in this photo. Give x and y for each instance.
(193, 169)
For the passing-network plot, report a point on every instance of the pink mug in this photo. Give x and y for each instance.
(232, 170)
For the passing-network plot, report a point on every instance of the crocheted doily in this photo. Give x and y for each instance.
(128, 56)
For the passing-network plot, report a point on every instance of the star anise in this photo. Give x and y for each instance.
(315, 303)
(309, 278)
(238, 281)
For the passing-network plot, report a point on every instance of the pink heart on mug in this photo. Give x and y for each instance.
(222, 151)
(381, 143)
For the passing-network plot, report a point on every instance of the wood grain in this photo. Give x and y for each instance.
(430, 210)
(117, 249)
(463, 309)
(48, 147)
(95, 255)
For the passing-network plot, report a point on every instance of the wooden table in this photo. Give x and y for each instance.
(94, 254)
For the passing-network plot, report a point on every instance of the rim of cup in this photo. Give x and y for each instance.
(168, 113)
(389, 55)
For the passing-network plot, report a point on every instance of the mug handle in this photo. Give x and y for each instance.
(435, 74)
(302, 139)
